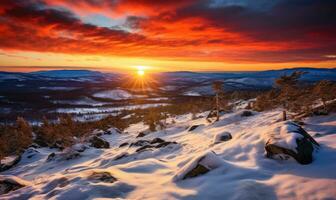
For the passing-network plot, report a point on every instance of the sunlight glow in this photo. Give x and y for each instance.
(141, 70)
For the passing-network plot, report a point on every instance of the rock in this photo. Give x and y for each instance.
(222, 137)
(198, 170)
(139, 143)
(67, 154)
(163, 144)
(31, 152)
(9, 184)
(141, 134)
(201, 164)
(157, 140)
(105, 177)
(108, 132)
(72, 155)
(9, 162)
(193, 127)
(300, 146)
(123, 144)
(99, 143)
(144, 148)
(79, 147)
(246, 113)
(51, 157)
(120, 156)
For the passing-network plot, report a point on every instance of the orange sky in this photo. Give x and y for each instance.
(198, 35)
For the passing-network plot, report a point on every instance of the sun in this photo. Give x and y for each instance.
(141, 70)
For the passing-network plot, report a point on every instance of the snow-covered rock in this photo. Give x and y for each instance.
(11, 183)
(201, 164)
(222, 137)
(9, 162)
(288, 138)
(99, 142)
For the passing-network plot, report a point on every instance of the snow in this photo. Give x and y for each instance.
(57, 88)
(191, 93)
(283, 134)
(158, 99)
(107, 109)
(209, 160)
(218, 138)
(168, 88)
(239, 168)
(116, 94)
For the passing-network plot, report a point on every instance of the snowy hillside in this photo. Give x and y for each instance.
(230, 154)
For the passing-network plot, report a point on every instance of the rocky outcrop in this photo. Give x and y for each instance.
(99, 143)
(289, 139)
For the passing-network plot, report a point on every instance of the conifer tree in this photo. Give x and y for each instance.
(288, 90)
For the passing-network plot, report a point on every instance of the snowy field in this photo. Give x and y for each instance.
(238, 167)
(116, 94)
(107, 109)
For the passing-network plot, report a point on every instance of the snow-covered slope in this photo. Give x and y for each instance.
(239, 168)
(117, 94)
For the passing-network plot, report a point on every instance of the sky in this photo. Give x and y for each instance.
(167, 35)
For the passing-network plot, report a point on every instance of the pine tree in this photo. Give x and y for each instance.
(288, 87)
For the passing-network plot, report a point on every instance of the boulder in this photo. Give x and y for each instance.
(163, 144)
(200, 165)
(99, 143)
(9, 162)
(51, 156)
(246, 113)
(198, 170)
(30, 152)
(193, 127)
(120, 156)
(141, 134)
(144, 148)
(139, 143)
(288, 139)
(222, 137)
(123, 144)
(79, 147)
(157, 140)
(105, 177)
(9, 184)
